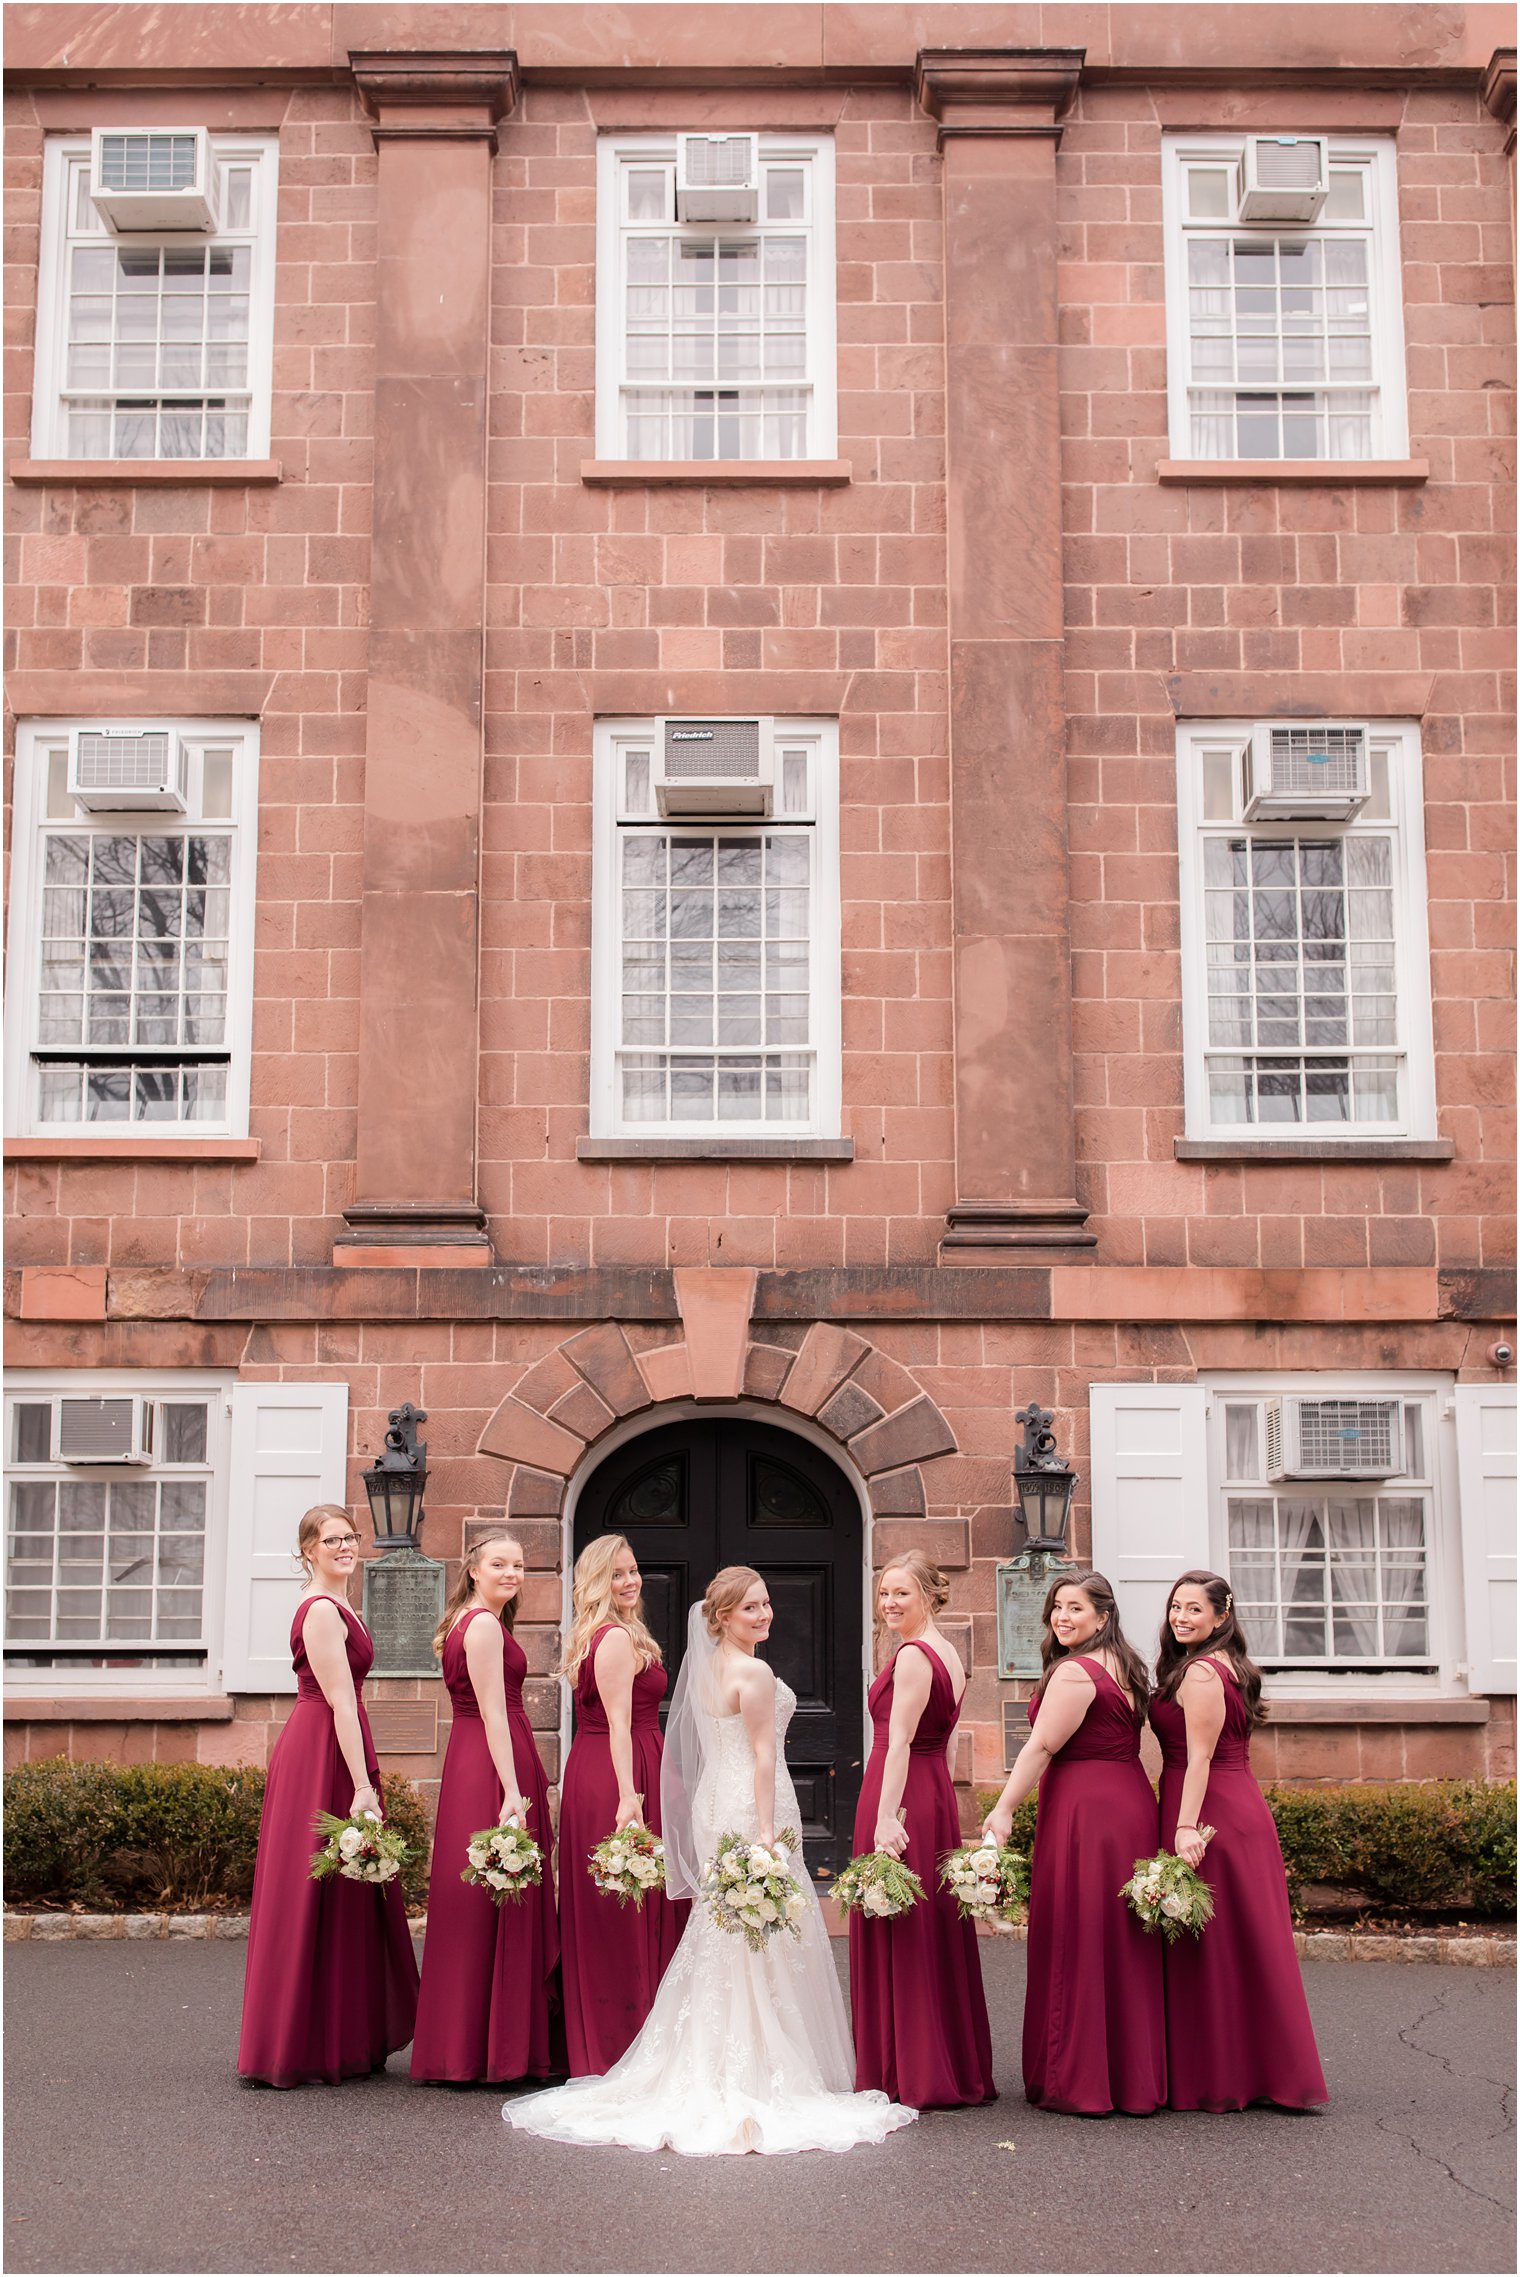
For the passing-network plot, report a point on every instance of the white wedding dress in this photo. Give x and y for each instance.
(742, 2051)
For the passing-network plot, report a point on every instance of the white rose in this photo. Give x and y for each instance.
(350, 1842)
(389, 1869)
(877, 1901)
(761, 1860)
(735, 1898)
(1174, 1907)
(766, 1910)
(477, 1855)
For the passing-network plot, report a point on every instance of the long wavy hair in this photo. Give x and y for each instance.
(459, 1596)
(592, 1607)
(1133, 1673)
(1229, 1639)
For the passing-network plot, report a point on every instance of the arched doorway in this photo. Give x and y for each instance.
(697, 1495)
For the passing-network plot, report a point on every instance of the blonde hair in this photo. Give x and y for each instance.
(592, 1607)
(726, 1590)
(310, 1530)
(459, 1596)
(925, 1572)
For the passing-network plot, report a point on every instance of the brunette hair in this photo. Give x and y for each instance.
(1173, 1659)
(1133, 1673)
(310, 1530)
(592, 1608)
(459, 1596)
(726, 1590)
(925, 1572)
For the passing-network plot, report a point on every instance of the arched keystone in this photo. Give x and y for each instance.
(715, 1304)
(519, 1435)
(910, 1436)
(828, 1355)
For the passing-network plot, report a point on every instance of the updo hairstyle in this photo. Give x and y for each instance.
(725, 1591)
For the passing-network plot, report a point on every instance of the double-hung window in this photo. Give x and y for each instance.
(131, 938)
(715, 339)
(1305, 958)
(1285, 338)
(716, 938)
(154, 342)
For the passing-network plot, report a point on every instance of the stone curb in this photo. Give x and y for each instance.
(1312, 1944)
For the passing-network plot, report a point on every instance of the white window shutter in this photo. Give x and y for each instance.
(1150, 1501)
(1486, 1489)
(289, 1450)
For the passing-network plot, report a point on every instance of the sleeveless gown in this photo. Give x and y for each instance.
(1237, 2022)
(489, 2005)
(612, 1956)
(741, 2051)
(331, 1984)
(1094, 2029)
(921, 2030)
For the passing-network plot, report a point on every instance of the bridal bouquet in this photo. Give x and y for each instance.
(1166, 1893)
(878, 1885)
(503, 1860)
(629, 1864)
(987, 1883)
(358, 1847)
(750, 1888)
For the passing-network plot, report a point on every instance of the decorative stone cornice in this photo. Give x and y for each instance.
(433, 96)
(1498, 90)
(997, 90)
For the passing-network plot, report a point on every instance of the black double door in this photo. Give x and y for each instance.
(693, 1497)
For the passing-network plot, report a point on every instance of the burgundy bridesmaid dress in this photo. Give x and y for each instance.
(1094, 2028)
(331, 1987)
(613, 1956)
(920, 2017)
(489, 2008)
(1237, 2022)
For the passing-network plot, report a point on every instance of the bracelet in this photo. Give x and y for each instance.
(1189, 1826)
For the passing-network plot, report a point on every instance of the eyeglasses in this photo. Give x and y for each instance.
(340, 1541)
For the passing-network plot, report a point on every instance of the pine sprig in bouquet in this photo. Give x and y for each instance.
(1166, 1893)
(878, 1885)
(989, 1882)
(750, 1888)
(629, 1864)
(504, 1861)
(358, 1847)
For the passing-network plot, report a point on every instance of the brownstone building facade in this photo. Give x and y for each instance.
(740, 736)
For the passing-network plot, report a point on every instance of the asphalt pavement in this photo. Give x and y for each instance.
(131, 2145)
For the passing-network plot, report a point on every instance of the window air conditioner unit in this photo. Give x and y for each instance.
(1334, 1438)
(1283, 177)
(117, 770)
(153, 178)
(717, 177)
(105, 1430)
(715, 767)
(1317, 773)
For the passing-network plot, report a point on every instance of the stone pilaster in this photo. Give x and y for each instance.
(435, 130)
(998, 111)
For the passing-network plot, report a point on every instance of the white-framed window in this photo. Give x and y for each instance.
(1333, 1573)
(156, 344)
(715, 944)
(715, 340)
(113, 1572)
(1306, 964)
(130, 988)
(1285, 340)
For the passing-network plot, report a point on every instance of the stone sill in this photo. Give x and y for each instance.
(99, 1708)
(1332, 473)
(94, 474)
(1428, 1711)
(714, 473)
(133, 1149)
(714, 1150)
(1314, 1150)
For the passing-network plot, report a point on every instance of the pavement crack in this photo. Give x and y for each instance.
(1406, 2035)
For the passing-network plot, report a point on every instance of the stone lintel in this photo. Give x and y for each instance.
(997, 90)
(435, 95)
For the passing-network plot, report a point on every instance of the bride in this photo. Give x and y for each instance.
(742, 2051)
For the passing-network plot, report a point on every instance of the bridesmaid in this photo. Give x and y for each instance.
(613, 1956)
(1094, 2028)
(489, 2004)
(921, 2030)
(331, 1986)
(1237, 2023)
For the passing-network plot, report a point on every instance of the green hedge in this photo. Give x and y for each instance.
(1446, 1843)
(137, 1837)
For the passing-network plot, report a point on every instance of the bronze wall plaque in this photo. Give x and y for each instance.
(404, 1727)
(403, 1601)
(1021, 1587)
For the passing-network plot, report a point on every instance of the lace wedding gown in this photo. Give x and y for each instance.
(742, 2051)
